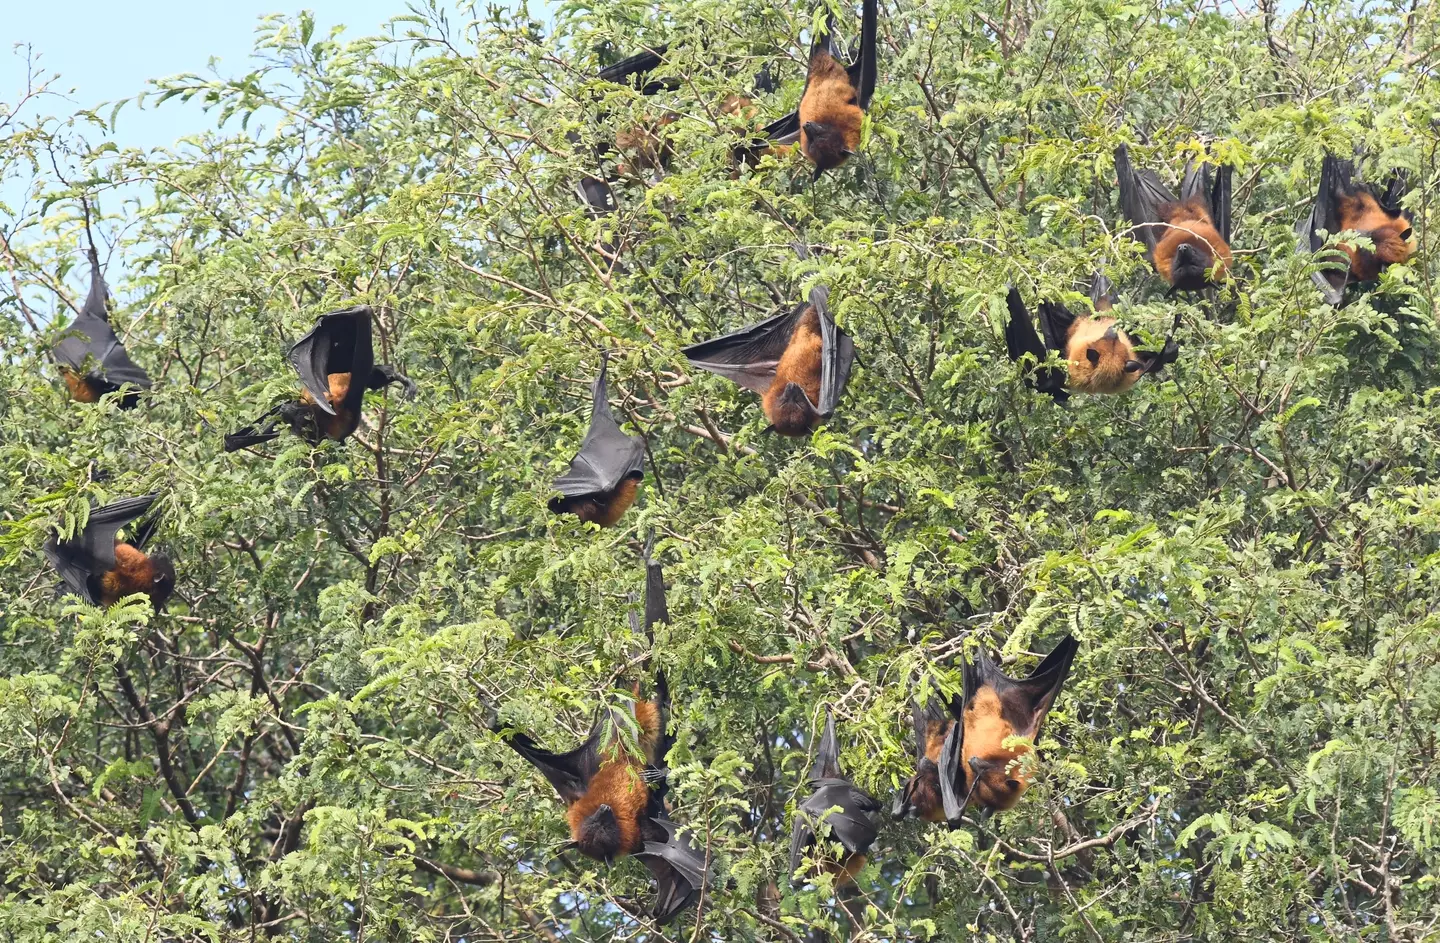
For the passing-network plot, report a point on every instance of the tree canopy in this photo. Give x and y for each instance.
(1246, 546)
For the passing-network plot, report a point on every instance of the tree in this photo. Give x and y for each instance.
(299, 747)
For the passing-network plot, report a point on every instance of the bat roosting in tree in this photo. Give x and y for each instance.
(615, 800)
(833, 103)
(1100, 356)
(92, 360)
(1343, 205)
(642, 147)
(798, 362)
(601, 482)
(336, 363)
(852, 824)
(97, 568)
(921, 794)
(1184, 239)
(976, 766)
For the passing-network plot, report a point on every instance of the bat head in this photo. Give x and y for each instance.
(598, 836)
(791, 412)
(1390, 233)
(162, 580)
(1102, 357)
(825, 144)
(921, 795)
(1190, 247)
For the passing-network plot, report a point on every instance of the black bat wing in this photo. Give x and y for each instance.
(922, 718)
(339, 342)
(92, 552)
(1102, 292)
(863, 72)
(93, 339)
(1335, 177)
(952, 776)
(852, 823)
(1021, 338)
(655, 607)
(1221, 199)
(607, 456)
(677, 866)
(1389, 197)
(783, 130)
(1026, 702)
(632, 71)
(597, 195)
(827, 756)
(1141, 194)
(837, 354)
(570, 772)
(750, 355)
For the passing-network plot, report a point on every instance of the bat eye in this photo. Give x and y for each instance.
(1131, 366)
(1013, 783)
(1409, 231)
(1092, 355)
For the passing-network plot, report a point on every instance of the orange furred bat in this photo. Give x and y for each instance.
(328, 359)
(607, 789)
(832, 106)
(601, 482)
(1186, 238)
(92, 360)
(799, 362)
(977, 767)
(921, 795)
(1100, 357)
(1344, 204)
(101, 569)
(788, 403)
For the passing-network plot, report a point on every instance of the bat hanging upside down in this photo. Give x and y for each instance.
(851, 824)
(1343, 204)
(92, 360)
(102, 570)
(605, 474)
(1186, 239)
(798, 362)
(336, 364)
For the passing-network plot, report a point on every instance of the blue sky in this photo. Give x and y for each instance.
(106, 51)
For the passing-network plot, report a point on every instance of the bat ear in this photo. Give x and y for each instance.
(1133, 366)
(1409, 231)
(768, 430)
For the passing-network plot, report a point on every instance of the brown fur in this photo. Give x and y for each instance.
(619, 782)
(831, 101)
(81, 389)
(1362, 213)
(925, 784)
(646, 145)
(1108, 374)
(1191, 225)
(345, 421)
(845, 870)
(132, 574)
(605, 508)
(801, 365)
(985, 731)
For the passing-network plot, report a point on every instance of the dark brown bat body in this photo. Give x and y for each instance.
(1392, 234)
(82, 389)
(605, 508)
(337, 426)
(830, 114)
(789, 402)
(851, 822)
(1190, 247)
(135, 572)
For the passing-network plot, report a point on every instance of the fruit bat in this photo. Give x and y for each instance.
(1184, 238)
(833, 103)
(1343, 205)
(798, 362)
(92, 360)
(851, 823)
(336, 351)
(604, 475)
(1101, 357)
(101, 570)
(975, 765)
(921, 794)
